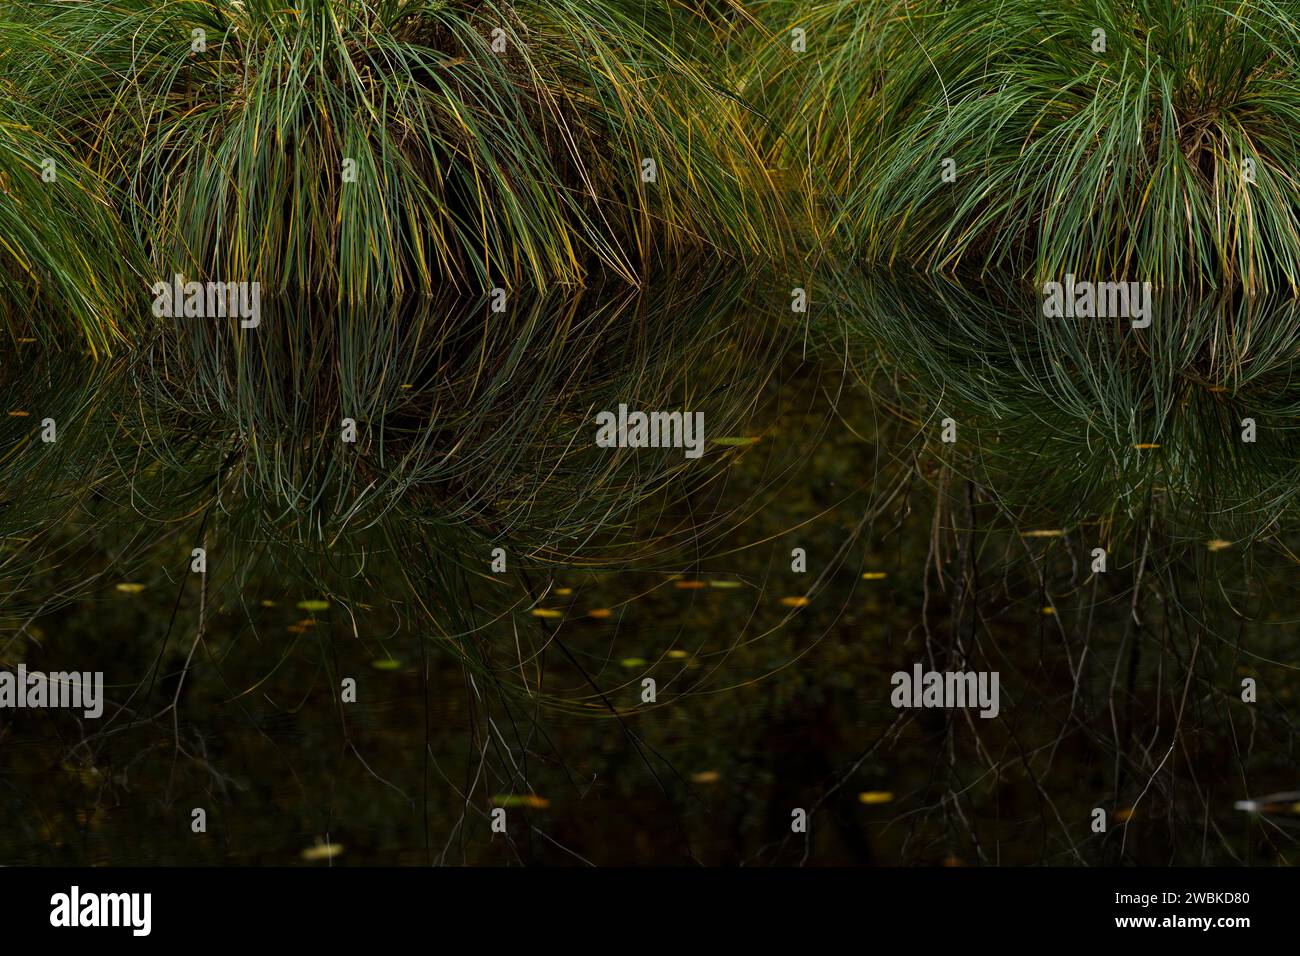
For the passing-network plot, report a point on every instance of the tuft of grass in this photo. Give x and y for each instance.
(67, 264)
(1128, 163)
(817, 109)
(492, 144)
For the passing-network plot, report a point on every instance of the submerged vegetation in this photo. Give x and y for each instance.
(1197, 420)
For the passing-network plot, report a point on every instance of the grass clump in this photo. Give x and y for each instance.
(1167, 156)
(67, 263)
(373, 149)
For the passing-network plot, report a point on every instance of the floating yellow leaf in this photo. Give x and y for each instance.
(89, 777)
(633, 662)
(529, 800)
(564, 592)
(128, 587)
(724, 584)
(1123, 816)
(322, 851)
(678, 655)
(600, 613)
(1049, 610)
(875, 796)
(546, 612)
(19, 414)
(1146, 444)
(689, 585)
(268, 604)
(795, 601)
(1218, 544)
(706, 776)
(1044, 533)
(386, 664)
(874, 575)
(313, 604)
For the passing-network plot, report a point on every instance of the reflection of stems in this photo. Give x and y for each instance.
(198, 636)
(1135, 654)
(1137, 584)
(1178, 725)
(175, 704)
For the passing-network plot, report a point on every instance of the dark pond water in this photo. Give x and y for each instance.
(429, 594)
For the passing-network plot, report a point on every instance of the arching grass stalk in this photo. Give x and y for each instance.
(67, 265)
